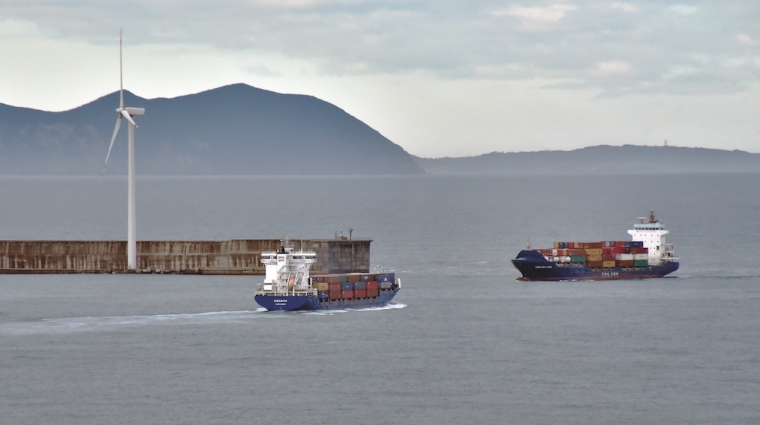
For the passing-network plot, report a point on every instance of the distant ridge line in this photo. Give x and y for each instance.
(601, 159)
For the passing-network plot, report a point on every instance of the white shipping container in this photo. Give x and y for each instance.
(640, 256)
(624, 257)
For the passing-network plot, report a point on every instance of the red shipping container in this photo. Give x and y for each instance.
(608, 257)
(625, 263)
(639, 250)
(336, 295)
(372, 293)
(347, 294)
(360, 293)
(335, 287)
(373, 285)
(353, 278)
(594, 264)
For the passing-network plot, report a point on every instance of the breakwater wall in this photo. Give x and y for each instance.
(239, 256)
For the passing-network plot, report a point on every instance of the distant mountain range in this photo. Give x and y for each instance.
(242, 130)
(626, 159)
(231, 130)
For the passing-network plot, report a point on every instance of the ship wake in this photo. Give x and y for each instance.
(66, 325)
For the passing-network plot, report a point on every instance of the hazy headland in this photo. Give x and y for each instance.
(626, 159)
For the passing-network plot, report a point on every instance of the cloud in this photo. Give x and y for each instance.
(15, 28)
(745, 39)
(537, 18)
(447, 39)
(624, 7)
(263, 71)
(611, 69)
(287, 3)
(684, 9)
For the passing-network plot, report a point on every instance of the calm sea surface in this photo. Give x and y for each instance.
(465, 342)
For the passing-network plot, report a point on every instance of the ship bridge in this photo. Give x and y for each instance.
(287, 270)
(652, 233)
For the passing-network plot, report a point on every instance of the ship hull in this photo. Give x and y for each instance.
(534, 267)
(306, 303)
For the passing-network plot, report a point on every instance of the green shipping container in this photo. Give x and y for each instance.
(578, 259)
(640, 263)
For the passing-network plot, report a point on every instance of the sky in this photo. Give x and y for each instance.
(438, 77)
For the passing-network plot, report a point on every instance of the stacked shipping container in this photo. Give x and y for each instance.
(352, 285)
(605, 254)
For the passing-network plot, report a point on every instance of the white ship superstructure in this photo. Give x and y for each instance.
(652, 233)
(287, 272)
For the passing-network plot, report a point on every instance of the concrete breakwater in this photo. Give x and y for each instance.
(239, 256)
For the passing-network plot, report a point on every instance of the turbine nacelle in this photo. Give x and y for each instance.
(135, 112)
(127, 113)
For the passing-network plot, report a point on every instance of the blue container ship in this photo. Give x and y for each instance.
(646, 256)
(288, 286)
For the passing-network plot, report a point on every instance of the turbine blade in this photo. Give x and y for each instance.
(115, 132)
(126, 115)
(121, 76)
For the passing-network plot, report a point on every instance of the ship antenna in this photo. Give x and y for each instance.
(528, 244)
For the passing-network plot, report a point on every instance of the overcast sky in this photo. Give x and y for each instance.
(438, 77)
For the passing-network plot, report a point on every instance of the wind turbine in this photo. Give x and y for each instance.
(128, 113)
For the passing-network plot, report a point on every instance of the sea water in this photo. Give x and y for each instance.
(464, 343)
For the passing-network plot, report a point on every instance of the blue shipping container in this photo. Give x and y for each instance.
(347, 286)
(389, 277)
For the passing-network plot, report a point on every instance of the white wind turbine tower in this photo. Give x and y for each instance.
(128, 113)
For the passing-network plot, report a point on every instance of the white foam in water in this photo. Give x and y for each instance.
(104, 323)
(390, 306)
